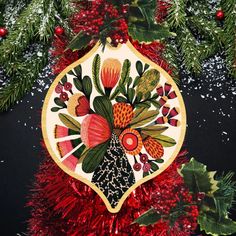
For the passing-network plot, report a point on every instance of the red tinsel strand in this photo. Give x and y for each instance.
(162, 10)
(62, 205)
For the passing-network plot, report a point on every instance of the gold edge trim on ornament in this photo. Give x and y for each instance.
(143, 180)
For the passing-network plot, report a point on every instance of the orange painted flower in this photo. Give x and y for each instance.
(110, 72)
(153, 147)
(131, 141)
(95, 130)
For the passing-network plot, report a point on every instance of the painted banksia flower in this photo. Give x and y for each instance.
(153, 147)
(123, 114)
(110, 74)
(95, 130)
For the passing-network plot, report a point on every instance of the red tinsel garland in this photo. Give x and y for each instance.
(62, 205)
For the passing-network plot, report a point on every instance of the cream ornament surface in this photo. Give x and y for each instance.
(113, 120)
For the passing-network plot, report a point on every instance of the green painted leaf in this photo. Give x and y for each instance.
(55, 109)
(153, 130)
(159, 160)
(87, 86)
(146, 66)
(78, 71)
(138, 98)
(131, 93)
(142, 33)
(145, 174)
(78, 84)
(95, 73)
(197, 178)
(124, 78)
(64, 79)
(94, 157)
(144, 118)
(144, 104)
(59, 102)
(121, 99)
(166, 141)
(69, 122)
(136, 81)
(139, 111)
(209, 222)
(139, 67)
(102, 106)
(154, 166)
(81, 40)
(148, 218)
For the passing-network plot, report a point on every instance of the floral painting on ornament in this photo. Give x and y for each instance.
(113, 120)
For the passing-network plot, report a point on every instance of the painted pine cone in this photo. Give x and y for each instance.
(123, 114)
(153, 147)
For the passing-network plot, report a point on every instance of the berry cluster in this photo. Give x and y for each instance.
(144, 160)
(175, 200)
(67, 86)
(102, 20)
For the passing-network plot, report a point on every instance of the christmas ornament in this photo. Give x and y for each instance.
(100, 121)
(59, 30)
(220, 14)
(3, 32)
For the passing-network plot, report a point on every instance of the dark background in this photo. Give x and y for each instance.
(210, 137)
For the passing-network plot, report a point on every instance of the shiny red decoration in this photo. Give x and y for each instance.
(59, 30)
(62, 205)
(3, 32)
(220, 15)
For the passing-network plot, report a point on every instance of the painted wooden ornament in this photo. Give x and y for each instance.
(113, 120)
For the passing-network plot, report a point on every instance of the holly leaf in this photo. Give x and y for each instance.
(165, 141)
(69, 122)
(209, 222)
(142, 33)
(102, 106)
(95, 73)
(148, 218)
(87, 86)
(143, 118)
(94, 157)
(81, 40)
(197, 178)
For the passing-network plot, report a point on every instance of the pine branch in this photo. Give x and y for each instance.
(229, 8)
(25, 74)
(177, 16)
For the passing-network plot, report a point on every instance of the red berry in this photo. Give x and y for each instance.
(59, 88)
(146, 167)
(220, 15)
(137, 166)
(59, 30)
(3, 32)
(144, 158)
(67, 86)
(64, 96)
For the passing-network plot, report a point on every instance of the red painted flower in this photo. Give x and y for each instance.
(137, 166)
(131, 141)
(165, 93)
(78, 105)
(167, 116)
(146, 167)
(110, 72)
(95, 130)
(143, 158)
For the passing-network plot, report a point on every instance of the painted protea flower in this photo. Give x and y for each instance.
(165, 93)
(78, 105)
(95, 130)
(153, 147)
(123, 114)
(71, 162)
(131, 141)
(110, 73)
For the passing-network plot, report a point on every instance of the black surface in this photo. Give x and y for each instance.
(20, 150)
